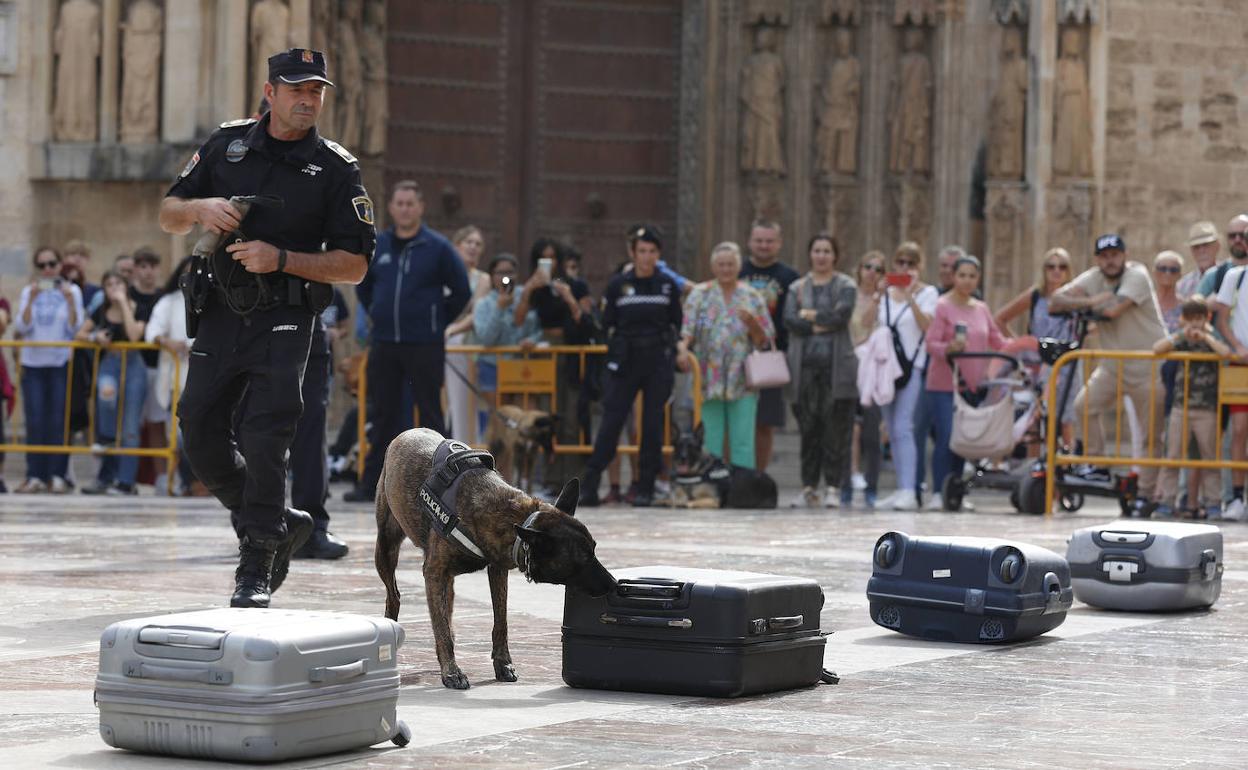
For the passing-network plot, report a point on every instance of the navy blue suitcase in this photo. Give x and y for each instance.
(967, 589)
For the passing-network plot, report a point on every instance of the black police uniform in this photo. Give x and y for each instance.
(643, 316)
(254, 338)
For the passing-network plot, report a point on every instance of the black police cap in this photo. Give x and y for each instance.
(298, 65)
(643, 232)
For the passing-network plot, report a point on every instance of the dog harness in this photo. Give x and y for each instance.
(453, 461)
(714, 471)
(520, 551)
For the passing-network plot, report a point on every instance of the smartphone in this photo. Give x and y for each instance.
(508, 286)
(546, 265)
(898, 279)
(959, 332)
(48, 284)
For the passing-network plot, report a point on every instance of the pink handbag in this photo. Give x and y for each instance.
(766, 369)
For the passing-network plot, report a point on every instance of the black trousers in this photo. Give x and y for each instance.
(309, 471)
(390, 364)
(826, 424)
(649, 371)
(263, 356)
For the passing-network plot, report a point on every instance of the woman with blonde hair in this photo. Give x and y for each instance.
(865, 452)
(724, 320)
(469, 243)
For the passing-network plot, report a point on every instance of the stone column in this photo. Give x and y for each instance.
(1042, 57)
(110, 69)
(181, 87)
(696, 91)
(230, 67)
(1008, 262)
(301, 25)
(876, 51)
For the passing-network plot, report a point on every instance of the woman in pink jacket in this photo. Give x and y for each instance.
(960, 324)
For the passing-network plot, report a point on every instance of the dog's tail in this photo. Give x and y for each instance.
(390, 538)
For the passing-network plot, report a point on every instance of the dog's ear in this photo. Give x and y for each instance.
(699, 432)
(569, 497)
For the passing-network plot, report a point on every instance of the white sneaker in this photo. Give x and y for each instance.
(935, 503)
(59, 486)
(886, 503)
(859, 482)
(905, 500)
(808, 498)
(831, 497)
(1235, 511)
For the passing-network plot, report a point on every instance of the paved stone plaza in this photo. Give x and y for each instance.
(1103, 690)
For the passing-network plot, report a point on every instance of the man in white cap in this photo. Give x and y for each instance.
(1202, 241)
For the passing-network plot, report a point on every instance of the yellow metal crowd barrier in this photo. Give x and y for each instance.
(1232, 389)
(531, 372)
(169, 453)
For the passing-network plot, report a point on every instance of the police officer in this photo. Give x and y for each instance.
(313, 226)
(641, 312)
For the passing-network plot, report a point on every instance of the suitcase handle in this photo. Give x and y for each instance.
(644, 621)
(139, 670)
(174, 636)
(636, 589)
(780, 624)
(339, 673)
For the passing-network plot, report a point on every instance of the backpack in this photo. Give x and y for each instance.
(899, 350)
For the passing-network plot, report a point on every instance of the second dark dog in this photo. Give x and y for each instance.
(503, 522)
(705, 481)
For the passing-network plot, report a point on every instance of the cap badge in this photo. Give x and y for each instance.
(307, 56)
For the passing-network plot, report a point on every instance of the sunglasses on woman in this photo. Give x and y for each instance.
(874, 268)
(1168, 269)
(47, 265)
(1056, 266)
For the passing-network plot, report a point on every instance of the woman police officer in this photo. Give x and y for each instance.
(641, 311)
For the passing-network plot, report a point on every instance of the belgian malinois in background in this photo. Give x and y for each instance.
(706, 481)
(492, 513)
(515, 436)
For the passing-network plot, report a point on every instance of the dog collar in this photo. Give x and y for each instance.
(520, 551)
(453, 461)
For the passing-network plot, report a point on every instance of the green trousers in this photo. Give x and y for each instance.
(737, 418)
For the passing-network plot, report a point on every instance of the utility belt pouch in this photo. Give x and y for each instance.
(314, 295)
(617, 353)
(196, 286)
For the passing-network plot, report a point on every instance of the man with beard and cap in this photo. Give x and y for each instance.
(1231, 306)
(1121, 295)
(1237, 241)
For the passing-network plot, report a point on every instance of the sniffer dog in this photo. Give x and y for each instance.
(493, 514)
(705, 481)
(515, 436)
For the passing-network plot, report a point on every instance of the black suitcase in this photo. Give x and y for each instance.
(967, 589)
(688, 631)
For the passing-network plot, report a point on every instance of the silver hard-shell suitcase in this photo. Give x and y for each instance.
(1146, 565)
(249, 684)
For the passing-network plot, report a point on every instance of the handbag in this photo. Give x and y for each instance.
(981, 432)
(766, 369)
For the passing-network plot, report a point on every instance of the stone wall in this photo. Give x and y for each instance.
(1176, 133)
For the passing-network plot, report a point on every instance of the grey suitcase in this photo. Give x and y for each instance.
(1146, 565)
(249, 684)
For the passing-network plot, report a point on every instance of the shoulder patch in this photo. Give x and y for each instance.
(190, 165)
(339, 150)
(237, 123)
(363, 209)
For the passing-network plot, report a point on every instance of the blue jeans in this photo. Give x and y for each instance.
(113, 468)
(923, 427)
(43, 401)
(944, 461)
(899, 415)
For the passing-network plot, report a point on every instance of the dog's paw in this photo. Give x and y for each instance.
(455, 680)
(505, 672)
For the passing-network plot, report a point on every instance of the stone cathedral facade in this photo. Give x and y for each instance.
(1008, 126)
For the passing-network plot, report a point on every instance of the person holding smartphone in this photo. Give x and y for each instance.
(492, 322)
(49, 310)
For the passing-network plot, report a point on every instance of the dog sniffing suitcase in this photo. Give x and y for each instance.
(967, 589)
(1146, 565)
(695, 632)
(249, 684)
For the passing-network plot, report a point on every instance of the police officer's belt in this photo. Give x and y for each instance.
(453, 461)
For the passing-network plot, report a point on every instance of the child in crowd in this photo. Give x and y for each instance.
(1194, 335)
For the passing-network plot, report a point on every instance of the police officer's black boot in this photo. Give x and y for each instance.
(589, 489)
(251, 579)
(299, 526)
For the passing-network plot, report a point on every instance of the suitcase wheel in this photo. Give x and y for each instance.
(402, 735)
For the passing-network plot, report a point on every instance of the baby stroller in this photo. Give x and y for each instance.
(993, 425)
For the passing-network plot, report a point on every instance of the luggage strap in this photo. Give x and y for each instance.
(453, 461)
(1126, 569)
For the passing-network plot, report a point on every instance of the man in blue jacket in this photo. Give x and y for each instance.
(416, 285)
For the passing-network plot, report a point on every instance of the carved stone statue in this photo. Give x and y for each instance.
(762, 105)
(1072, 124)
(324, 20)
(270, 33)
(1008, 116)
(767, 11)
(911, 115)
(142, 38)
(839, 12)
(376, 109)
(76, 109)
(350, 78)
(917, 12)
(836, 142)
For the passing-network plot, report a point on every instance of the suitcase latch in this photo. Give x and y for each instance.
(1209, 566)
(1120, 571)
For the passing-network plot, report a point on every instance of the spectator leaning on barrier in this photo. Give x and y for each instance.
(1202, 240)
(493, 321)
(724, 319)
(406, 294)
(1121, 295)
(824, 384)
(771, 278)
(146, 289)
(49, 310)
(118, 404)
(1167, 267)
(1194, 335)
(1237, 244)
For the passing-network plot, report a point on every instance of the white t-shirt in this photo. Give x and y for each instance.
(908, 328)
(1235, 296)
